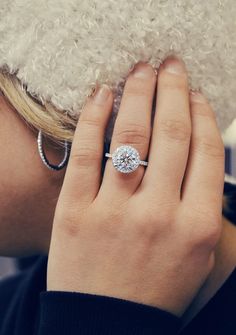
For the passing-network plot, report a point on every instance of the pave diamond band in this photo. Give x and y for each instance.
(126, 159)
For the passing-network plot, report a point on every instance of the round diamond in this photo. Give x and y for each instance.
(126, 159)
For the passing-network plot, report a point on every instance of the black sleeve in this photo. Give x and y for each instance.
(75, 313)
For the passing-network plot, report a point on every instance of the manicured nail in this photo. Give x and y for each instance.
(174, 64)
(143, 71)
(101, 94)
(197, 96)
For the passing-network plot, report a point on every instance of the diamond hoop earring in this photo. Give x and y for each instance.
(44, 158)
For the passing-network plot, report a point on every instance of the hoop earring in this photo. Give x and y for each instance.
(44, 158)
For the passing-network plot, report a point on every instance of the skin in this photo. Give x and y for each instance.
(28, 190)
(25, 234)
(225, 262)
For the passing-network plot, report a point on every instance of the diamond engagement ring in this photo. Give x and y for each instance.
(126, 159)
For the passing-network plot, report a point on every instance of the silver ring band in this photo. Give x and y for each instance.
(140, 162)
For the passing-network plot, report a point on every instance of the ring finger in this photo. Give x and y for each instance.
(132, 127)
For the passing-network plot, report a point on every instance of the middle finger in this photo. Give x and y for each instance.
(132, 127)
(171, 134)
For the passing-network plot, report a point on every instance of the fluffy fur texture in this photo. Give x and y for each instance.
(59, 48)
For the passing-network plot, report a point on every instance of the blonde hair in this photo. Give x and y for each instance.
(57, 125)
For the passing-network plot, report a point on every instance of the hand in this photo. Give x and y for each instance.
(148, 236)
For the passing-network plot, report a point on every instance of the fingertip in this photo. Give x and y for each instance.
(197, 96)
(101, 94)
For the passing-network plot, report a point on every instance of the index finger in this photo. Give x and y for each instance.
(83, 175)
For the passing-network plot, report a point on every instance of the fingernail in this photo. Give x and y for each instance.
(174, 64)
(91, 92)
(131, 68)
(143, 71)
(101, 94)
(197, 96)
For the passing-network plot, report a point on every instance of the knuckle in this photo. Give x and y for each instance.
(175, 129)
(209, 235)
(150, 223)
(132, 134)
(213, 235)
(84, 156)
(67, 221)
(205, 229)
(145, 229)
(209, 147)
(94, 122)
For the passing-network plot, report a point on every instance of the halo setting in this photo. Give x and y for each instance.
(126, 159)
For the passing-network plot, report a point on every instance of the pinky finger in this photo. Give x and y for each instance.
(204, 178)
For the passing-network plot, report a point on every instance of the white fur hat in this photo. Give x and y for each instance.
(60, 48)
